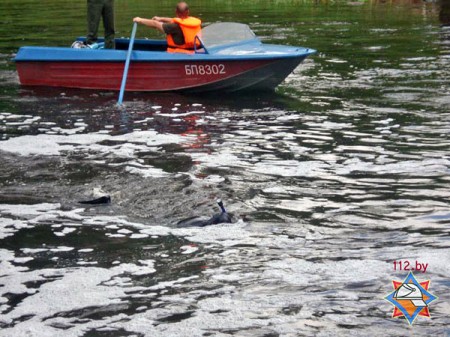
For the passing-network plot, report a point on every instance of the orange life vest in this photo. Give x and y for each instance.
(190, 26)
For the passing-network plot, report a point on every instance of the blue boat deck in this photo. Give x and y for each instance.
(219, 42)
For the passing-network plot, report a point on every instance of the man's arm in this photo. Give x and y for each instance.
(150, 23)
(162, 19)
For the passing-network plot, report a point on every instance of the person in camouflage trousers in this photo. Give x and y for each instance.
(97, 9)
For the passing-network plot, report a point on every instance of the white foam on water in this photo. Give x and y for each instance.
(305, 204)
(48, 145)
(77, 288)
(376, 48)
(142, 308)
(222, 234)
(184, 114)
(128, 145)
(188, 249)
(336, 61)
(62, 249)
(154, 230)
(424, 167)
(7, 268)
(290, 168)
(147, 172)
(9, 226)
(299, 272)
(255, 306)
(212, 179)
(288, 118)
(86, 263)
(124, 231)
(27, 210)
(115, 235)
(23, 259)
(73, 287)
(25, 215)
(86, 250)
(138, 236)
(226, 157)
(33, 250)
(65, 231)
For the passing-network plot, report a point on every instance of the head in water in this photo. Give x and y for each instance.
(182, 10)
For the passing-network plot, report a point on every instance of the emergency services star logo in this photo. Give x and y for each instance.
(410, 298)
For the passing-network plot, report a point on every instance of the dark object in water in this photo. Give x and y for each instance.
(106, 199)
(218, 218)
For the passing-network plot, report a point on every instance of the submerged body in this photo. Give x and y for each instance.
(228, 62)
(98, 201)
(222, 217)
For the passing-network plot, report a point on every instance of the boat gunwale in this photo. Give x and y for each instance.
(68, 54)
(145, 56)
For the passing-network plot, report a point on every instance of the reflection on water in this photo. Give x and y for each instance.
(340, 172)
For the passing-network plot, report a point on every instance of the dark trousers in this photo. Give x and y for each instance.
(97, 9)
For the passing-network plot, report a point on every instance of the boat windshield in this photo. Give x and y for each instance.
(225, 33)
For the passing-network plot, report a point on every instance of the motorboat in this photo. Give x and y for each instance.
(229, 58)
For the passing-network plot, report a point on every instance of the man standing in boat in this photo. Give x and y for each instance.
(97, 9)
(180, 31)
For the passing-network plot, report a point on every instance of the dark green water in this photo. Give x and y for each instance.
(341, 171)
(363, 35)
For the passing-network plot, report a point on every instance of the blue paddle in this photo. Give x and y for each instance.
(127, 64)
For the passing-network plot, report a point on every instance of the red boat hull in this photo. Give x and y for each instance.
(158, 76)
